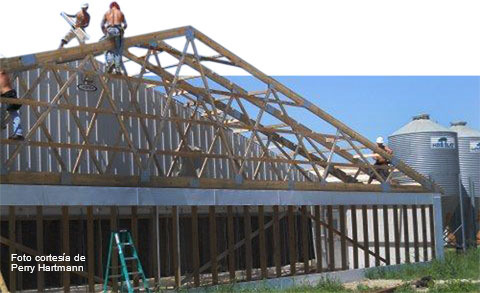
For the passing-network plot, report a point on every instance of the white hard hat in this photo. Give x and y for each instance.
(85, 6)
(380, 140)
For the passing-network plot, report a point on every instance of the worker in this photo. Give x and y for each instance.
(7, 91)
(82, 20)
(381, 161)
(113, 26)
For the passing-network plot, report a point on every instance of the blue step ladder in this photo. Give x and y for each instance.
(123, 242)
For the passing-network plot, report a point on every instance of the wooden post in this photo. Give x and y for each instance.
(176, 248)
(213, 244)
(354, 236)
(365, 235)
(195, 252)
(343, 239)
(331, 240)
(424, 233)
(66, 246)
(375, 235)
(114, 228)
(40, 274)
(415, 233)
(100, 247)
(231, 244)
(12, 282)
(154, 232)
(405, 233)
(318, 240)
(134, 227)
(276, 243)
(248, 242)
(305, 240)
(432, 230)
(90, 250)
(396, 228)
(386, 234)
(291, 241)
(261, 238)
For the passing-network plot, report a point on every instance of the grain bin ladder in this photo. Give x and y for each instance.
(123, 241)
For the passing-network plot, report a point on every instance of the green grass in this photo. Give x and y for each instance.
(455, 266)
(456, 286)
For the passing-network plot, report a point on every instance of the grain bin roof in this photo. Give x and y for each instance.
(421, 123)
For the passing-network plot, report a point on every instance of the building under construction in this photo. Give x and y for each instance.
(217, 183)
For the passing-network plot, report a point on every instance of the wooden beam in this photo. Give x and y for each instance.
(424, 232)
(90, 250)
(248, 242)
(231, 244)
(176, 247)
(365, 235)
(261, 238)
(331, 240)
(305, 240)
(353, 211)
(311, 107)
(213, 243)
(40, 247)
(114, 264)
(406, 239)
(134, 227)
(12, 282)
(396, 228)
(292, 241)
(432, 230)
(343, 239)
(376, 235)
(415, 233)
(195, 249)
(75, 53)
(50, 178)
(276, 243)
(66, 246)
(386, 234)
(318, 239)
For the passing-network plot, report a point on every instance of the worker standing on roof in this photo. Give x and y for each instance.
(82, 20)
(381, 161)
(7, 91)
(113, 26)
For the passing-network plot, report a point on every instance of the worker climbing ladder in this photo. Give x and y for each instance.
(123, 242)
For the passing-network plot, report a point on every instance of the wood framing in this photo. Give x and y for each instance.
(299, 153)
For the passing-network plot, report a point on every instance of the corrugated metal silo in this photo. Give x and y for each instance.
(469, 155)
(469, 158)
(432, 150)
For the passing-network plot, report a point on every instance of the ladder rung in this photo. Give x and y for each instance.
(130, 258)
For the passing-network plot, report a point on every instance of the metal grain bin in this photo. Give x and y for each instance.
(431, 149)
(469, 156)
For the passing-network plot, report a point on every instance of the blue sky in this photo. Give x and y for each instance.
(378, 105)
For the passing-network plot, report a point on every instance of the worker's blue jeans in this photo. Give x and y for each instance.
(115, 33)
(15, 118)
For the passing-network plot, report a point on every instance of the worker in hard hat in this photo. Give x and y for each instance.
(7, 91)
(82, 20)
(381, 161)
(113, 26)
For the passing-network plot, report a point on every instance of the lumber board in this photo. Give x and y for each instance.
(292, 247)
(353, 210)
(50, 178)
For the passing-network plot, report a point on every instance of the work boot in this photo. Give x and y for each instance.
(16, 137)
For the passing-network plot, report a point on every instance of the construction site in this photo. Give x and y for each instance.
(165, 181)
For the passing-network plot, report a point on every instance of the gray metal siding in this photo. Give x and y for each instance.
(106, 131)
